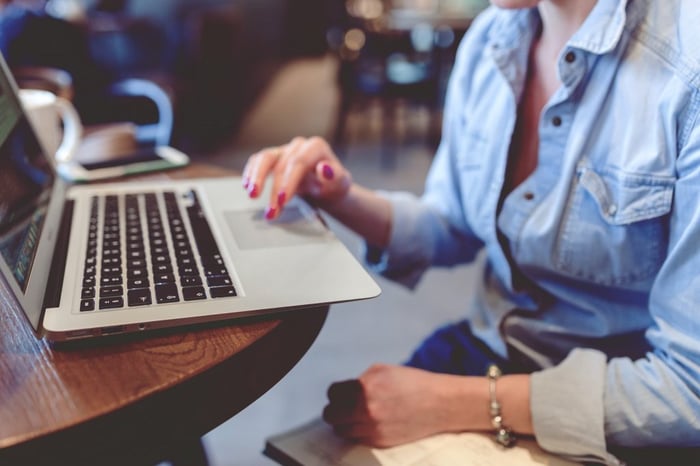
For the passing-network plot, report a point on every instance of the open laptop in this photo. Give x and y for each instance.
(87, 261)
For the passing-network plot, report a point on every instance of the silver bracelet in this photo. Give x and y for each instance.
(504, 434)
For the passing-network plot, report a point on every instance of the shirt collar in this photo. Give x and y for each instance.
(600, 32)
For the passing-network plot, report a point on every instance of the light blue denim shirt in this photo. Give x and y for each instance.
(606, 230)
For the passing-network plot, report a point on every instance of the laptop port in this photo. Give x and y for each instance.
(112, 330)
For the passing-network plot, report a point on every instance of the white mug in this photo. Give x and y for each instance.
(55, 121)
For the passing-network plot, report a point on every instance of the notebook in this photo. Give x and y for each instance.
(94, 260)
(315, 444)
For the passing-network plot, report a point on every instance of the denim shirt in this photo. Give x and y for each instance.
(598, 285)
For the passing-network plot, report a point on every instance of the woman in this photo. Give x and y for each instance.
(571, 154)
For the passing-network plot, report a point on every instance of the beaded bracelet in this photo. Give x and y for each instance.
(504, 434)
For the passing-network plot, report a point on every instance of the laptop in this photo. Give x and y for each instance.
(94, 260)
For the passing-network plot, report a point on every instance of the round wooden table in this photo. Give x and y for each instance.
(139, 399)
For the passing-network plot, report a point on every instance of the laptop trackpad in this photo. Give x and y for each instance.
(293, 227)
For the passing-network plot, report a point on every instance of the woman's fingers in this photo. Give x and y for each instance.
(258, 167)
(303, 166)
(345, 403)
(292, 173)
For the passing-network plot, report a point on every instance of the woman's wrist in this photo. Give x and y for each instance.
(466, 400)
(336, 205)
(463, 400)
(364, 212)
(513, 393)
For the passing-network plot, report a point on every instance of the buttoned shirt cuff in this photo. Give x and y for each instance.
(409, 251)
(567, 407)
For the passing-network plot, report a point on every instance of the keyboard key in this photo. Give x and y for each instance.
(139, 297)
(190, 280)
(183, 252)
(111, 291)
(135, 263)
(88, 293)
(137, 273)
(189, 270)
(111, 261)
(111, 252)
(137, 283)
(156, 243)
(190, 293)
(111, 244)
(87, 305)
(162, 268)
(186, 262)
(202, 233)
(107, 281)
(164, 278)
(182, 244)
(213, 271)
(111, 303)
(212, 261)
(134, 246)
(135, 254)
(111, 271)
(219, 280)
(222, 291)
(161, 259)
(167, 293)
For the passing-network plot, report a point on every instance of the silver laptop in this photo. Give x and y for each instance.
(88, 261)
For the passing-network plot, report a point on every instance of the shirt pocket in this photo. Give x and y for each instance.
(615, 227)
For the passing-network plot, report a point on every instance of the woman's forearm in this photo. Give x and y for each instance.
(364, 212)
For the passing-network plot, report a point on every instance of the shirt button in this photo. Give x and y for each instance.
(612, 209)
(556, 121)
(528, 196)
(570, 57)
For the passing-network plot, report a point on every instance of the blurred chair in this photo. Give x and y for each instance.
(392, 68)
(135, 95)
(396, 64)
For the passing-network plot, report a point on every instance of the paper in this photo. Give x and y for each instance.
(315, 444)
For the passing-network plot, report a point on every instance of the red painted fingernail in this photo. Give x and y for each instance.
(281, 199)
(253, 190)
(270, 213)
(327, 172)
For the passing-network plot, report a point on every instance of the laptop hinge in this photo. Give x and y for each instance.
(52, 298)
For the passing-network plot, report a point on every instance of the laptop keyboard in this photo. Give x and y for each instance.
(139, 252)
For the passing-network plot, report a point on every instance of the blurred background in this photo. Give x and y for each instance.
(220, 79)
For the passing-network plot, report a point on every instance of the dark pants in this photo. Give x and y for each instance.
(453, 349)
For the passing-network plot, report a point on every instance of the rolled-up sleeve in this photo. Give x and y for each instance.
(577, 433)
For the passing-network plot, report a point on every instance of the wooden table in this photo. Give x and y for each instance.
(141, 399)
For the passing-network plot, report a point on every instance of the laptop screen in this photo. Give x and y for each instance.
(26, 181)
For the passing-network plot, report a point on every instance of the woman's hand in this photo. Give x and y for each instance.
(305, 166)
(390, 405)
